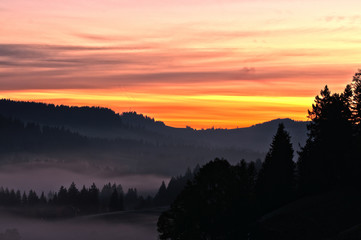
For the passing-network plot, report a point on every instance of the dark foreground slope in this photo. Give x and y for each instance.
(332, 215)
(135, 225)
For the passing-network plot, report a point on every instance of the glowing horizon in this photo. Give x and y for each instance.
(177, 118)
(200, 63)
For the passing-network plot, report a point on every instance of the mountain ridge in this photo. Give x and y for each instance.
(131, 140)
(21, 110)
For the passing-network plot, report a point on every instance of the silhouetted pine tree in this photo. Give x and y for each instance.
(114, 201)
(329, 142)
(33, 198)
(161, 198)
(18, 197)
(85, 205)
(120, 197)
(105, 196)
(276, 180)
(12, 198)
(356, 100)
(73, 195)
(24, 199)
(62, 196)
(42, 199)
(131, 200)
(212, 206)
(94, 198)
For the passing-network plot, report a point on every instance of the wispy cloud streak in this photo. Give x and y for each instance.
(176, 59)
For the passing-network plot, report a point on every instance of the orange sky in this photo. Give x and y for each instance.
(197, 63)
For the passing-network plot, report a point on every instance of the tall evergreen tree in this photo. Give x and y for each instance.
(356, 100)
(212, 206)
(73, 195)
(276, 179)
(42, 199)
(63, 196)
(94, 198)
(18, 197)
(114, 201)
(24, 199)
(131, 198)
(33, 198)
(329, 142)
(120, 192)
(161, 198)
(105, 196)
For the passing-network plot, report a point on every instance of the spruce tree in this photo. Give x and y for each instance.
(216, 204)
(329, 142)
(161, 198)
(63, 196)
(73, 195)
(94, 198)
(275, 183)
(356, 100)
(114, 201)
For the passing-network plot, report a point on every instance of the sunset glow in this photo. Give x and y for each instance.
(198, 63)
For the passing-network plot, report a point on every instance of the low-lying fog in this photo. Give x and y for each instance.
(41, 177)
(139, 225)
(49, 178)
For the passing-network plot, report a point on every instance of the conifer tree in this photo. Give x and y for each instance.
(276, 179)
(94, 198)
(161, 198)
(63, 196)
(33, 198)
(211, 206)
(356, 100)
(73, 194)
(24, 199)
(114, 201)
(329, 142)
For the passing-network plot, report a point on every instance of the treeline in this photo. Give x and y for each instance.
(73, 116)
(228, 202)
(60, 115)
(17, 136)
(71, 201)
(66, 202)
(28, 141)
(138, 121)
(168, 193)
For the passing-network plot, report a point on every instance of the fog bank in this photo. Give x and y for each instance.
(137, 225)
(24, 178)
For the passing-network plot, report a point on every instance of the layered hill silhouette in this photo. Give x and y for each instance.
(129, 142)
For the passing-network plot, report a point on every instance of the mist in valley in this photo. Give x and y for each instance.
(136, 225)
(48, 178)
(49, 148)
(40, 178)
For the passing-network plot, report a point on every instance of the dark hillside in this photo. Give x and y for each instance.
(105, 123)
(331, 215)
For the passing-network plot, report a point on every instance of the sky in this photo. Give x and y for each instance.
(198, 63)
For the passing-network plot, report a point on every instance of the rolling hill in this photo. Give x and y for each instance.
(129, 142)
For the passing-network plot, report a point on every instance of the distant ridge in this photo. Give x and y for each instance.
(132, 140)
(52, 114)
(277, 121)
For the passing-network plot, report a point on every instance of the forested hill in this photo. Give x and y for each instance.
(129, 141)
(50, 114)
(105, 123)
